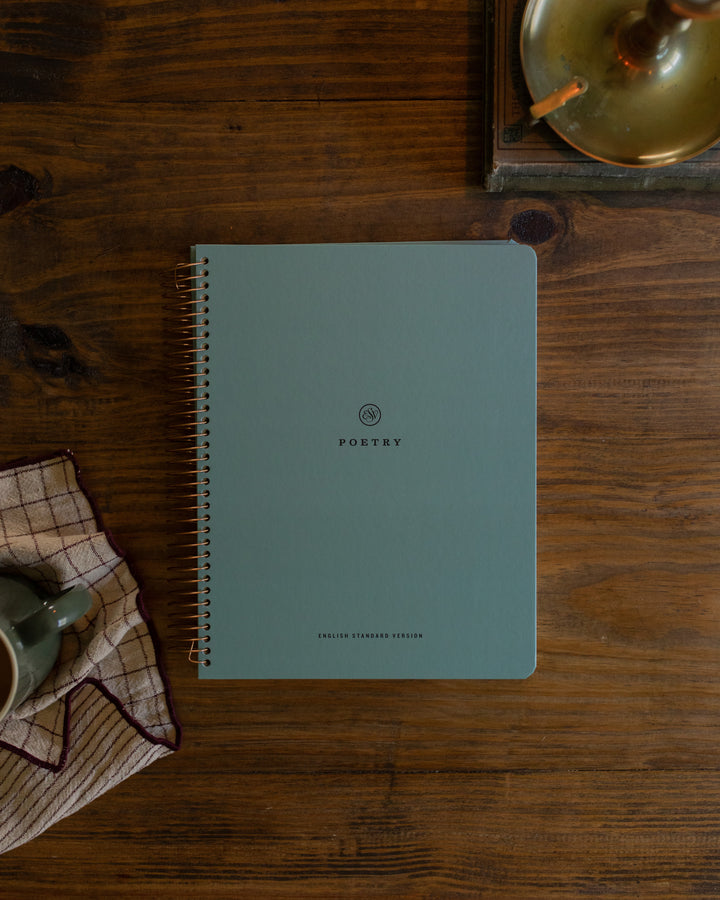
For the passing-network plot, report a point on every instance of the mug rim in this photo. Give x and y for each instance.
(8, 705)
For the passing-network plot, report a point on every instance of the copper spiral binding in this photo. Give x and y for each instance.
(189, 443)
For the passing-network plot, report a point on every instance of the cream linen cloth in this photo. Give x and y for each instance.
(105, 711)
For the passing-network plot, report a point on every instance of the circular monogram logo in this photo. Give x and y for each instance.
(370, 414)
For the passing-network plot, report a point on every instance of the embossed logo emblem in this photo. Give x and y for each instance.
(370, 414)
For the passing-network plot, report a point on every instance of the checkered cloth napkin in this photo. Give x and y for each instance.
(104, 712)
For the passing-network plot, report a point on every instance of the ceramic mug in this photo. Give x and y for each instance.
(30, 627)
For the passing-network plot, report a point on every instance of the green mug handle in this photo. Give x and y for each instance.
(57, 613)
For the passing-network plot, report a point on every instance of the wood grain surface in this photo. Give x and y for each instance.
(131, 130)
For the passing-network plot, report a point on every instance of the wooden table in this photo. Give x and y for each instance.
(130, 130)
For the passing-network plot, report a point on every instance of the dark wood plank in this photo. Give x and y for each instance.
(599, 773)
(627, 462)
(564, 835)
(290, 50)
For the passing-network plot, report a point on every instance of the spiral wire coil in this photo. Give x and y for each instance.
(191, 441)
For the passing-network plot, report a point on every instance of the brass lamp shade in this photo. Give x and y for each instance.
(650, 93)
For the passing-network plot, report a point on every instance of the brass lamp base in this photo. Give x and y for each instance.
(639, 106)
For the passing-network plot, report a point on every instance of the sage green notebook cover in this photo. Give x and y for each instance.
(372, 460)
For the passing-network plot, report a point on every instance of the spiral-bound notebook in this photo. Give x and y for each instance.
(365, 421)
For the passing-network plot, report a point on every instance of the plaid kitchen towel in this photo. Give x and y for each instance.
(105, 711)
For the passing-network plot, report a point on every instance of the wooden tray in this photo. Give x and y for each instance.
(521, 157)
